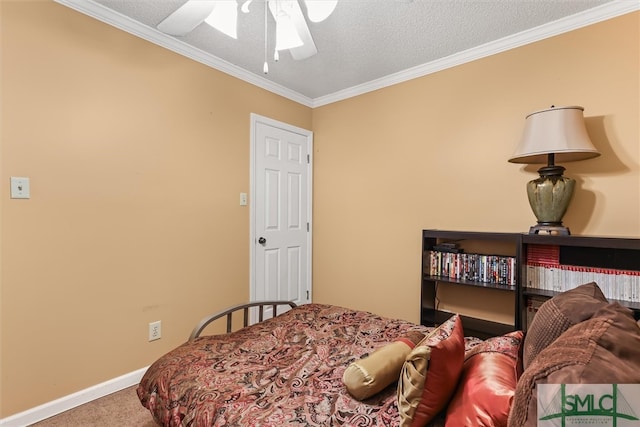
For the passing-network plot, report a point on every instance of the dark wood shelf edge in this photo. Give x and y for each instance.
(483, 285)
(470, 235)
(472, 326)
(583, 241)
(532, 292)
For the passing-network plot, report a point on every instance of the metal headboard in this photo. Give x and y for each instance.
(245, 307)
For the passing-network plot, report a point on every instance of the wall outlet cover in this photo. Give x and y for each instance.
(155, 330)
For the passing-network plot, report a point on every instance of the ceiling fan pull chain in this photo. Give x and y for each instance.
(276, 55)
(265, 68)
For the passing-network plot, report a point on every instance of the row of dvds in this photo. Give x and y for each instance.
(623, 285)
(493, 269)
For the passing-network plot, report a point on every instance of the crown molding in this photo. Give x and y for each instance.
(573, 22)
(124, 23)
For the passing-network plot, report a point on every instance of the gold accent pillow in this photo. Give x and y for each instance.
(430, 374)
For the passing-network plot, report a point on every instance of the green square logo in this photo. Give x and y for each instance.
(565, 405)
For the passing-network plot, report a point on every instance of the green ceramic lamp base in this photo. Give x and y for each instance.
(549, 197)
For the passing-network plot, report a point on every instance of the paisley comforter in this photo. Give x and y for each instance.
(283, 371)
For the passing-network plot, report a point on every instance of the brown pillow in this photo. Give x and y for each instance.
(488, 382)
(375, 372)
(602, 350)
(430, 374)
(558, 314)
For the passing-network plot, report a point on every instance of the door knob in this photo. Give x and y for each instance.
(262, 240)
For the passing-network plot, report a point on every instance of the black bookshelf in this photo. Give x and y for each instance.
(608, 253)
(594, 252)
(431, 315)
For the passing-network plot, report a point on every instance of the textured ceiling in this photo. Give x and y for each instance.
(364, 44)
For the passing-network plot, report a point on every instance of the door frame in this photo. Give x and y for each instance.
(255, 119)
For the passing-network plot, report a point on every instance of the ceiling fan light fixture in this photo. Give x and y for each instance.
(319, 10)
(224, 17)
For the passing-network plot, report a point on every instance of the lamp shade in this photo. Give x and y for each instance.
(557, 130)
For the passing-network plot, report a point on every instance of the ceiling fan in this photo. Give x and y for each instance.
(292, 31)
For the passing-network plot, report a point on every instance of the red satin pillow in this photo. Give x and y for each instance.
(430, 374)
(487, 384)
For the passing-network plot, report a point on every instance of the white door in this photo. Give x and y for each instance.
(280, 212)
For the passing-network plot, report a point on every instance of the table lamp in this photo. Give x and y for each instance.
(555, 134)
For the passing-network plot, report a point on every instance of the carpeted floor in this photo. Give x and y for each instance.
(120, 409)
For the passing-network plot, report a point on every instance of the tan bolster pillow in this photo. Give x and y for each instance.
(375, 372)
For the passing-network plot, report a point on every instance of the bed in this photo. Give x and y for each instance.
(286, 370)
(292, 369)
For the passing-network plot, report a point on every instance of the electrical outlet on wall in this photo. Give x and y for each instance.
(155, 330)
(20, 187)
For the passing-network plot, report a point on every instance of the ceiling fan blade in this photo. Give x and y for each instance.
(319, 10)
(307, 50)
(308, 47)
(224, 17)
(186, 17)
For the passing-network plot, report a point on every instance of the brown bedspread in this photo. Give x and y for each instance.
(283, 371)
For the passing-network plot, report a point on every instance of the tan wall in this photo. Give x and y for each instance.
(432, 153)
(136, 157)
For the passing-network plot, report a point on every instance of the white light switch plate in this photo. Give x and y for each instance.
(243, 199)
(20, 187)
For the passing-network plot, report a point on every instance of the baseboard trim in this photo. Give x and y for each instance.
(65, 403)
